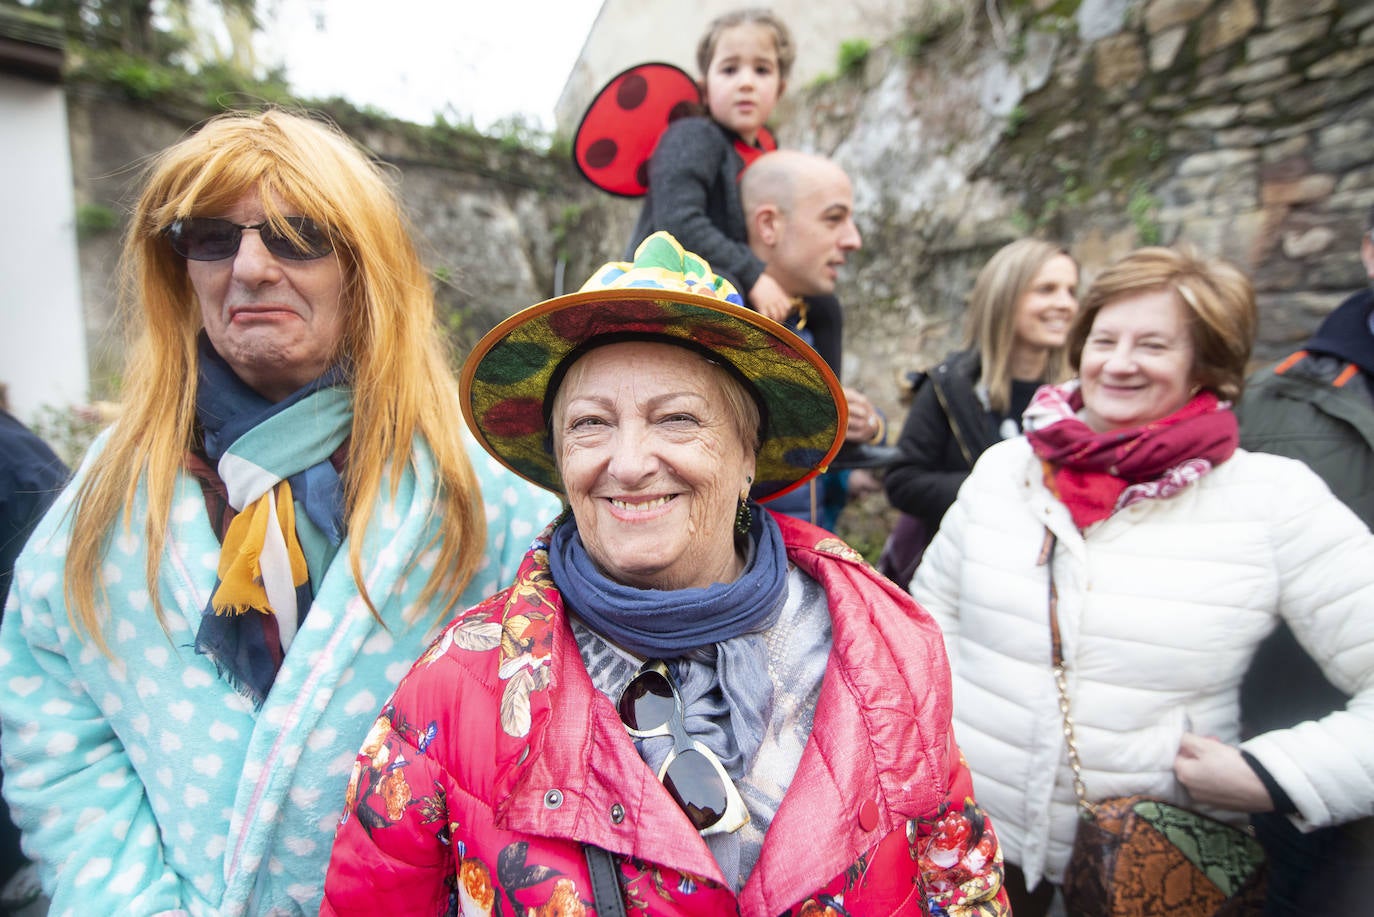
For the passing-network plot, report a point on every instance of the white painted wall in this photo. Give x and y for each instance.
(42, 334)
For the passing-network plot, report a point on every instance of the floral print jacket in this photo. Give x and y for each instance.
(496, 760)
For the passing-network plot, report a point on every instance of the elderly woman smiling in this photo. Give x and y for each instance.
(684, 701)
(1172, 553)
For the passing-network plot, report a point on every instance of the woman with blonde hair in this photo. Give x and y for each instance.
(1018, 319)
(279, 521)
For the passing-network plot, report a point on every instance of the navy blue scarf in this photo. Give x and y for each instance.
(714, 637)
(665, 624)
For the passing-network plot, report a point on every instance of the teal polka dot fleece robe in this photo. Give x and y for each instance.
(144, 784)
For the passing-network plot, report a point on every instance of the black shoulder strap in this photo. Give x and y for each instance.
(606, 893)
(965, 449)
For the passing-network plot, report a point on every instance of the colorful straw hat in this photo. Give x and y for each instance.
(671, 295)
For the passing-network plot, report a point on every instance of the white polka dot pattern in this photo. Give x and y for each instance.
(145, 783)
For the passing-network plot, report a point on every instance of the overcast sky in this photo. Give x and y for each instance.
(483, 59)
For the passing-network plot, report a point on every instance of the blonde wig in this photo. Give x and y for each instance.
(1216, 296)
(394, 353)
(991, 322)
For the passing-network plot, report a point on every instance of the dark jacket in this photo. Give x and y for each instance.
(31, 474)
(1316, 406)
(945, 431)
(694, 194)
(30, 477)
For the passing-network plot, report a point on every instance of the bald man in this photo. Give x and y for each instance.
(799, 214)
(797, 210)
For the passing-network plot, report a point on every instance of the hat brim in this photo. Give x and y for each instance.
(505, 380)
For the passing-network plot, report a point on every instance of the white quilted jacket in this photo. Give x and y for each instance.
(1161, 607)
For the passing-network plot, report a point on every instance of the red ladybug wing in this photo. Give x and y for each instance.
(618, 133)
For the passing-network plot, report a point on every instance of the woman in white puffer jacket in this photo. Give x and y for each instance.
(1174, 554)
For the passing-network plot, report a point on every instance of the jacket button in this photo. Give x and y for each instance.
(868, 815)
(617, 813)
(553, 799)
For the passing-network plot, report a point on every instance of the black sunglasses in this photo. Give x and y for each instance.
(693, 775)
(208, 239)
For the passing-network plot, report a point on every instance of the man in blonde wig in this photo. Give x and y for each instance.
(201, 629)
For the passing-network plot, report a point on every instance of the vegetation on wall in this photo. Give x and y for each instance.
(1142, 208)
(67, 430)
(215, 86)
(928, 22)
(95, 219)
(569, 218)
(850, 60)
(853, 55)
(1065, 169)
(154, 53)
(151, 31)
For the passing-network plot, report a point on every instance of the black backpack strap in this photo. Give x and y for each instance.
(606, 893)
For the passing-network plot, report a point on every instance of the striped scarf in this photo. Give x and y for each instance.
(285, 508)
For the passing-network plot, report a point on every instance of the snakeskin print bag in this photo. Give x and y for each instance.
(1139, 857)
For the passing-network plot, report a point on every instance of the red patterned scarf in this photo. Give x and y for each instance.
(1095, 474)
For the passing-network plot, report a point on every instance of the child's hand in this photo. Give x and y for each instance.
(767, 298)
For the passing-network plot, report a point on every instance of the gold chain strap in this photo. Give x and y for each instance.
(1061, 680)
(1079, 789)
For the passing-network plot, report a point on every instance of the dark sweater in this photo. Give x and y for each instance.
(945, 431)
(694, 194)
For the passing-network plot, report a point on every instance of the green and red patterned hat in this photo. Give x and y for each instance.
(671, 295)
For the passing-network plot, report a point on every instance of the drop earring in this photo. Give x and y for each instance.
(744, 516)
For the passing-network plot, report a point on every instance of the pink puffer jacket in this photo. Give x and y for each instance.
(497, 759)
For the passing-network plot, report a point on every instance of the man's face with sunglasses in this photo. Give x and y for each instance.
(271, 304)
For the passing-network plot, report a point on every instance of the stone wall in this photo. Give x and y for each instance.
(1244, 127)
